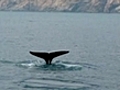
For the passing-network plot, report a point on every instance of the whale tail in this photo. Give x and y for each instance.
(48, 57)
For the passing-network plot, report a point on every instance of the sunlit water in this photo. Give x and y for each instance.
(92, 39)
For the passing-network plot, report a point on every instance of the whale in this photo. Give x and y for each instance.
(48, 57)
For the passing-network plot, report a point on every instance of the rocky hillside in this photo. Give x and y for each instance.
(96, 6)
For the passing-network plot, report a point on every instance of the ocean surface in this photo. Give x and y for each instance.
(92, 39)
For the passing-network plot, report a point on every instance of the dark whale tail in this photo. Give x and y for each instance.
(48, 57)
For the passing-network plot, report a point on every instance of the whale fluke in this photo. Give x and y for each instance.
(48, 57)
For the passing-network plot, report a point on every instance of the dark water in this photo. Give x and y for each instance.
(92, 64)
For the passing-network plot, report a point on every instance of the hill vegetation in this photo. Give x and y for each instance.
(91, 6)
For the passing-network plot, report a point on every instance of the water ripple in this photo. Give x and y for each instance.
(55, 66)
(53, 84)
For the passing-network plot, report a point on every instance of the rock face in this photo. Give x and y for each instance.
(91, 6)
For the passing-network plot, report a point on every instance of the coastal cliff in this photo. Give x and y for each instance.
(89, 6)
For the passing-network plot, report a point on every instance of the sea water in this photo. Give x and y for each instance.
(92, 39)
